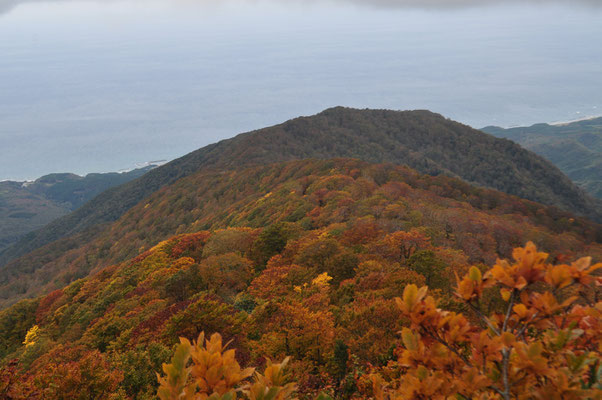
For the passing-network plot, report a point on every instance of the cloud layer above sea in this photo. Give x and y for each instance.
(7, 5)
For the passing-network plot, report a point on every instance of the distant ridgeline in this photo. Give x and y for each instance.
(26, 206)
(422, 140)
(575, 148)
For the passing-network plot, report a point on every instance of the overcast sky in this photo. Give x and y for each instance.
(7, 5)
(101, 86)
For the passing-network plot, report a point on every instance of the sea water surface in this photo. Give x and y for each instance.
(101, 86)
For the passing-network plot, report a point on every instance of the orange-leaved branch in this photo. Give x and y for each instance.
(215, 374)
(544, 343)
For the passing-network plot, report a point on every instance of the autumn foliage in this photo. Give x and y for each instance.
(544, 343)
(216, 375)
(305, 260)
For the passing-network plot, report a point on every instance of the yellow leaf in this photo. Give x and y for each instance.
(520, 310)
(422, 373)
(410, 293)
(508, 339)
(475, 274)
(410, 340)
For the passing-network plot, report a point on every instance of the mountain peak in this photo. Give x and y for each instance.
(420, 139)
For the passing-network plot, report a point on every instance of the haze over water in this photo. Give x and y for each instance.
(91, 87)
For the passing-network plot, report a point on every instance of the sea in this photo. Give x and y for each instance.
(96, 86)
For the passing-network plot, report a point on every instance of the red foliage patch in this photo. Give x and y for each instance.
(189, 243)
(45, 305)
(157, 322)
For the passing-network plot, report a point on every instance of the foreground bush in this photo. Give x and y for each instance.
(544, 344)
(216, 375)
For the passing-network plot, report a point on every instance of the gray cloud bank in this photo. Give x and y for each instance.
(7, 5)
(443, 4)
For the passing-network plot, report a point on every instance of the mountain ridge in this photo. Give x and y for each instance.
(213, 199)
(574, 147)
(420, 139)
(26, 206)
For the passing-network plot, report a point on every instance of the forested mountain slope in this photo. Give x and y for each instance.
(262, 195)
(316, 252)
(27, 206)
(575, 148)
(422, 140)
(22, 211)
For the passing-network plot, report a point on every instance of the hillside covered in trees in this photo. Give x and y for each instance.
(27, 206)
(218, 199)
(422, 140)
(575, 148)
(319, 261)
